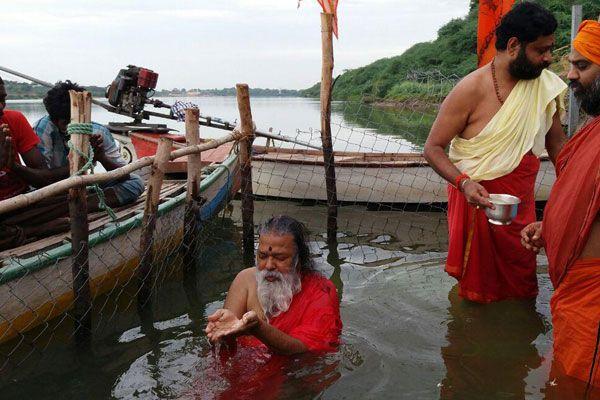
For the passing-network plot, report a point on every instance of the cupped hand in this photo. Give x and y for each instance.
(224, 323)
(477, 195)
(531, 237)
(7, 157)
(97, 141)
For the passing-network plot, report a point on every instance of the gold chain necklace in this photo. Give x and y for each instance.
(496, 82)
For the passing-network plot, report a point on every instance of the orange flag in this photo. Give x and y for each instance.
(330, 7)
(490, 15)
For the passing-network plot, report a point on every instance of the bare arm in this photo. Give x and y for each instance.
(555, 138)
(451, 121)
(41, 177)
(237, 296)
(277, 340)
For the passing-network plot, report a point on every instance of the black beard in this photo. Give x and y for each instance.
(589, 97)
(522, 68)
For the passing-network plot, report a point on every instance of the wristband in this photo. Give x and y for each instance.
(459, 179)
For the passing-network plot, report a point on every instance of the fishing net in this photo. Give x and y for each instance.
(391, 244)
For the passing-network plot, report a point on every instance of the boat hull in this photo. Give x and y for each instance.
(363, 182)
(36, 289)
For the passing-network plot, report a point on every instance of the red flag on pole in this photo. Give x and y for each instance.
(490, 15)
(330, 7)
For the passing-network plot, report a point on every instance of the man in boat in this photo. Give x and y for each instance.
(570, 230)
(281, 303)
(498, 120)
(16, 138)
(52, 131)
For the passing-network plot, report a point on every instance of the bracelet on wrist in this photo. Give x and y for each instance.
(459, 181)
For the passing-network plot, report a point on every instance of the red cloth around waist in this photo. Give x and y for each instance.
(488, 260)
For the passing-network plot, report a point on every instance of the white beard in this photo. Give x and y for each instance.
(275, 297)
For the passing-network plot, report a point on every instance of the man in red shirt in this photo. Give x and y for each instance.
(282, 303)
(16, 137)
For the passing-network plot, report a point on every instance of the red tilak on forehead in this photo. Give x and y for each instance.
(270, 248)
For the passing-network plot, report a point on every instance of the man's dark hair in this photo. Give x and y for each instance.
(285, 225)
(58, 101)
(527, 22)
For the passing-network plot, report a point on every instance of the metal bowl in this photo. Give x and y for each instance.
(506, 209)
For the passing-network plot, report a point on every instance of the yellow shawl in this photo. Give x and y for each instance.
(520, 125)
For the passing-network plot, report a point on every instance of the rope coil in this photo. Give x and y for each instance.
(86, 128)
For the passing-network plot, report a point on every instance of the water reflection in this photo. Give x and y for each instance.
(409, 122)
(490, 348)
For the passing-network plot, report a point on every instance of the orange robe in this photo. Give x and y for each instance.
(572, 208)
(488, 260)
(490, 15)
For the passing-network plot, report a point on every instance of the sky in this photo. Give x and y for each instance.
(208, 44)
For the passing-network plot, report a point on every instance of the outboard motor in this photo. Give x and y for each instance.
(131, 90)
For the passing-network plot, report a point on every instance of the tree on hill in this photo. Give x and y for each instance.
(453, 52)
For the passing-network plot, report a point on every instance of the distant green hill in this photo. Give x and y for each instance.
(454, 52)
(23, 90)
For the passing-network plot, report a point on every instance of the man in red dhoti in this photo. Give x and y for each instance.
(498, 120)
(282, 303)
(570, 230)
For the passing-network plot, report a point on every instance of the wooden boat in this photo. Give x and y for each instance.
(362, 178)
(36, 279)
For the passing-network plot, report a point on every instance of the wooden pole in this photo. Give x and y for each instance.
(81, 112)
(144, 273)
(243, 99)
(27, 199)
(576, 18)
(194, 172)
(326, 88)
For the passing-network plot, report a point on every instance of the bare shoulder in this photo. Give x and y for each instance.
(245, 276)
(469, 89)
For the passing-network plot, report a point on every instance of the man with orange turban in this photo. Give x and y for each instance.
(570, 230)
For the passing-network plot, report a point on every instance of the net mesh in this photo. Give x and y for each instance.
(390, 217)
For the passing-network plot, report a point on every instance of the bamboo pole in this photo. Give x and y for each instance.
(194, 172)
(144, 272)
(27, 199)
(81, 112)
(243, 99)
(576, 18)
(326, 88)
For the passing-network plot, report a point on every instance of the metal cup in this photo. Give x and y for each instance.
(505, 211)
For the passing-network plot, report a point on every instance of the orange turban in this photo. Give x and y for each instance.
(587, 42)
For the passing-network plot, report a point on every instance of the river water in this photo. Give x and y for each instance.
(355, 126)
(406, 333)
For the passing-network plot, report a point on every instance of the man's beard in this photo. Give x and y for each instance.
(522, 68)
(275, 297)
(588, 96)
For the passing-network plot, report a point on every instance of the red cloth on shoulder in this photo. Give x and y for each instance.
(313, 317)
(24, 139)
(574, 201)
(488, 260)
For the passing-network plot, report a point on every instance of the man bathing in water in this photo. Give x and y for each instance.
(282, 303)
(497, 121)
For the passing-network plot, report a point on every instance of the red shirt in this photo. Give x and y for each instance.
(24, 139)
(313, 317)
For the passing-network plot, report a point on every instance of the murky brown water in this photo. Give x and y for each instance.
(406, 333)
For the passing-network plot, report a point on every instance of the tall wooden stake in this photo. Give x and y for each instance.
(144, 272)
(194, 172)
(326, 88)
(576, 18)
(81, 112)
(243, 99)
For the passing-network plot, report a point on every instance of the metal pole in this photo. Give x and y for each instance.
(576, 18)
